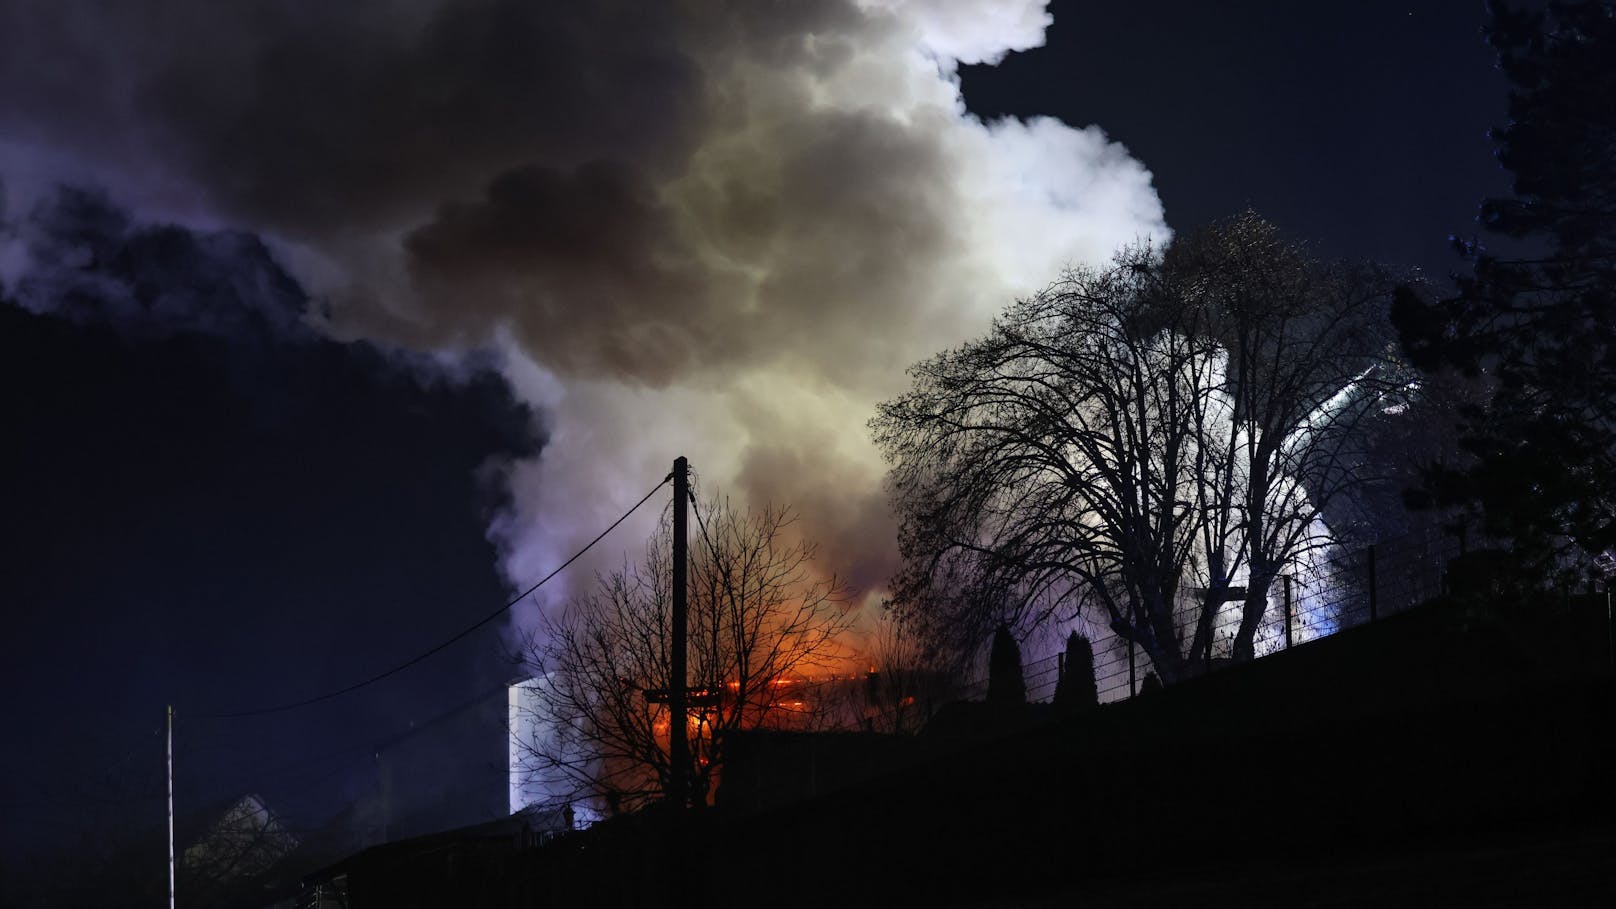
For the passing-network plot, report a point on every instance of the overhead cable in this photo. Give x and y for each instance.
(293, 705)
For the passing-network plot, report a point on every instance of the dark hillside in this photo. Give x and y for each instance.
(1426, 741)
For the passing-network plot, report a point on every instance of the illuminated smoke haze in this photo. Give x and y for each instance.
(714, 229)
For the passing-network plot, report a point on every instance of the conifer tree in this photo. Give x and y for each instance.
(1005, 682)
(1077, 689)
(1538, 325)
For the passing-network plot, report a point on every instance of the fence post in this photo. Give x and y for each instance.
(1441, 562)
(1374, 601)
(1287, 611)
(1133, 689)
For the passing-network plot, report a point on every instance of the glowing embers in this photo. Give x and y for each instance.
(782, 703)
(694, 697)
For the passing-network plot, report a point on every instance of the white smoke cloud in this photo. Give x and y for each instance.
(849, 220)
(717, 230)
(970, 31)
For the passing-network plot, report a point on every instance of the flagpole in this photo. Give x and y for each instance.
(170, 806)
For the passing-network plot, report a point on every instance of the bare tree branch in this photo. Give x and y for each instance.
(762, 623)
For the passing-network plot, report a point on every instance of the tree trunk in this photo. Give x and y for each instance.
(1163, 646)
(1252, 612)
(1201, 644)
(1170, 666)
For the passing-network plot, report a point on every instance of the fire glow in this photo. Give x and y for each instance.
(799, 703)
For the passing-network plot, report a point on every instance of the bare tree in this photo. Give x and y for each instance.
(1046, 463)
(1135, 436)
(763, 627)
(1310, 359)
(909, 680)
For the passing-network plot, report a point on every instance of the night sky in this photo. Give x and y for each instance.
(1361, 127)
(227, 519)
(236, 473)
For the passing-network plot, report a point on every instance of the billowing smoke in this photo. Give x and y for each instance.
(81, 257)
(712, 229)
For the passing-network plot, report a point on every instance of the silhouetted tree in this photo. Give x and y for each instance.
(1040, 465)
(1310, 361)
(1169, 422)
(1006, 685)
(1538, 324)
(1077, 688)
(760, 622)
(910, 680)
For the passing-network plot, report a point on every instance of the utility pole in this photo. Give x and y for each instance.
(170, 806)
(678, 742)
(678, 892)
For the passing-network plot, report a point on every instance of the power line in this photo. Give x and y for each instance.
(278, 708)
(711, 550)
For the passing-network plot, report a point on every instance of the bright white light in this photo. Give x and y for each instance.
(524, 726)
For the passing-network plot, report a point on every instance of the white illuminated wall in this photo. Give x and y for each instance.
(525, 728)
